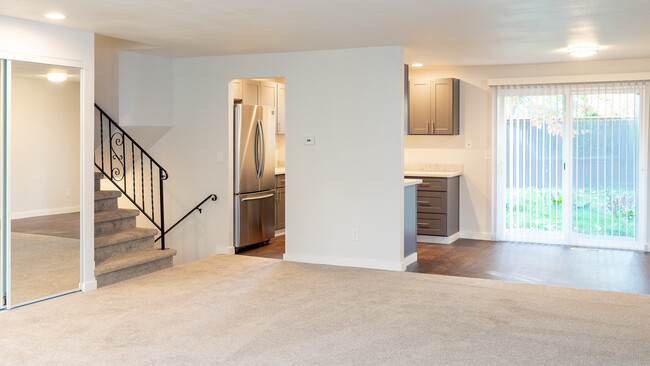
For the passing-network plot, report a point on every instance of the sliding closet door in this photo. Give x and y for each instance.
(44, 181)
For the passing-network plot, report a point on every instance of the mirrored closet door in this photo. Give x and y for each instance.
(43, 181)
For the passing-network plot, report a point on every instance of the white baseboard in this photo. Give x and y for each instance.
(279, 232)
(345, 262)
(438, 239)
(225, 250)
(51, 211)
(88, 286)
(408, 260)
(477, 235)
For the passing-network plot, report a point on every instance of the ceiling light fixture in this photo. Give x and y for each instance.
(416, 65)
(583, 50)
(55, 16)
(57, 76)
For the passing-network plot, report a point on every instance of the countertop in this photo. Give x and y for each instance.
(279, 171)
(411, 182)
(415, 173)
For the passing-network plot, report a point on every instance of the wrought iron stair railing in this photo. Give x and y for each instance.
(134, 172)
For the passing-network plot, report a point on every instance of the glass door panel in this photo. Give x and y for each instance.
(605, 167)
(534, 129)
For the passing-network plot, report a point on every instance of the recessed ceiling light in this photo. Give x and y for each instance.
(55, 16)
(583, 50)
(416, 65)
(57, 76)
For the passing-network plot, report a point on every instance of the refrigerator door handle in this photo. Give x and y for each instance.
(257, 197)
(263, 148)
(256, 150)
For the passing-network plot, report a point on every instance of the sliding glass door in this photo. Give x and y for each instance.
(569, 167)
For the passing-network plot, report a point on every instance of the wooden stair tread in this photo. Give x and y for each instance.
(120, 213)
(135, 233)
(132, 259)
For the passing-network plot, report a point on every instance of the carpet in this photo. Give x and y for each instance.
(42, 266)
(238, 310)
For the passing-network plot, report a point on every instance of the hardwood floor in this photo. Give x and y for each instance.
(602, 269)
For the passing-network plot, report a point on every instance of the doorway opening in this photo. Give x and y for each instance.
(259, 166)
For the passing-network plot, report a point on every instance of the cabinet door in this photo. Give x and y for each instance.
(280, 126)
(419, 107)
(279, 208)
(443, 105)
(237, 89)
(251, 92)
(268, 94)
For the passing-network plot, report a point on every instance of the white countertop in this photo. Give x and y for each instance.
(414, 173)
(411, 182)
(279, 171)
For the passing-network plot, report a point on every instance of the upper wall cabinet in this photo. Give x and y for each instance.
(237, 89)
(262, 92)
(434, 107)
(251, 91)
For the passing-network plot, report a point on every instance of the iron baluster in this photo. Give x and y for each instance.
(101, 132)
(151, 181)
(162, 211)
(110, 148)
(142, 175)
(133, 169)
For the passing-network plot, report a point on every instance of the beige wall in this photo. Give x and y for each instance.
(476, 126)
(44, 147)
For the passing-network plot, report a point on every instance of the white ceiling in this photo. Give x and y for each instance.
(434, 32)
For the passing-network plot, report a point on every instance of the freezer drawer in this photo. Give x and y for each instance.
(254, 218)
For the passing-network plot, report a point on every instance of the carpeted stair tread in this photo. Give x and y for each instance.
(135, 233)
(133, 259)
(105, 195)
(121, 213)
(99, 175)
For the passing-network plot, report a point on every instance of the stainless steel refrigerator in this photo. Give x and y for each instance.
(254, 174)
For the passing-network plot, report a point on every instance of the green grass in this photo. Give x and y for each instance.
(595, 212)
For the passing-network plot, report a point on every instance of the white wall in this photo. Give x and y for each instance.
(44, 147)
(37, 42)
(476, 125)
(107, 77)
(350, 100)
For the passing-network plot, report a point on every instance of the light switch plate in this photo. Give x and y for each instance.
(468, 144)
(310, 140)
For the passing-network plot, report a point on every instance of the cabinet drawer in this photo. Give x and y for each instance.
(432, 224)
(433, 184)
(432, 202)
(279, 181)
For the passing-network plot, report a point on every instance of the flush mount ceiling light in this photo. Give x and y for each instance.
(57, 76)
(55, 16)
(583, 50)
(416, 65)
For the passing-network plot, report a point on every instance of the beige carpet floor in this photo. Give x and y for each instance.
(42, 266)
(237, 310)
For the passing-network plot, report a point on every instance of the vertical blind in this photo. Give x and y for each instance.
(571, 163)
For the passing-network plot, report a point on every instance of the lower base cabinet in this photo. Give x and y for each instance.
(437, 206)
(279, 202)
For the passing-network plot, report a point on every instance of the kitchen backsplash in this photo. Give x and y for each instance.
(433, 167)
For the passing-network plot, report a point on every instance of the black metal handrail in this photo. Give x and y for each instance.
(145, 183)
(196, 208)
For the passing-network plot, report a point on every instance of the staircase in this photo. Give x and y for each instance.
(122, 250)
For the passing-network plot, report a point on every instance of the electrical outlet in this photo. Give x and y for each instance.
(67, 192)
(488, 154)
(355, 234)
(468, 144)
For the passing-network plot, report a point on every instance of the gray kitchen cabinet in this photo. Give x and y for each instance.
(419, 107)
(438, 206)
(281, 111)
(434, 107)
(279, 202)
